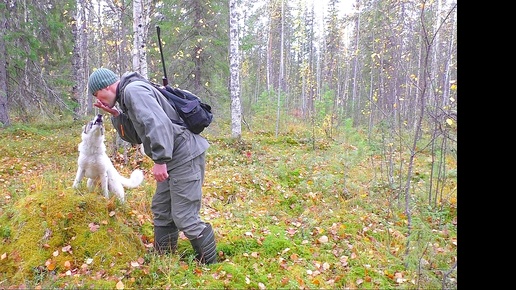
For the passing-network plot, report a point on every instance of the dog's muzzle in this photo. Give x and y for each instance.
(98, 120)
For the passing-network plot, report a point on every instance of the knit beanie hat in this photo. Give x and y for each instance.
(100, 79)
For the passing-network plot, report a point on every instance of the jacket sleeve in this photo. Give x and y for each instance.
(125, 128)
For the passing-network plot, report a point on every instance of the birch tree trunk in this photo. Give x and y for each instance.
(79, 64)
(4, 112)
(140, 24)
(280, 77)
(234, 64)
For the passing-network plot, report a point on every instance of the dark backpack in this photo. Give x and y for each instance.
(195, 114)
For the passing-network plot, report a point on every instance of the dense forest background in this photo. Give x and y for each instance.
(382, 62)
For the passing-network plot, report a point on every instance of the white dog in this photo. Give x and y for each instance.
(95, 164)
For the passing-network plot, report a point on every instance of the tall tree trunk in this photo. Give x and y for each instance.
(281, 69)
(79, 90)
(354, 86)
(140, 24)
(234, 66)
(4, 111)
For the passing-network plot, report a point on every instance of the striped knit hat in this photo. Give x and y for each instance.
(101, 78)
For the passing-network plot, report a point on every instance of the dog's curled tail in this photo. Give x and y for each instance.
(135, 179)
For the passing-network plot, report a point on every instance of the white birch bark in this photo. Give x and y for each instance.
(280, 78)
(140, 23)
(79, 60)
(234, 64)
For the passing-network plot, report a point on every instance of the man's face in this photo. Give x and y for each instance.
(105, 96)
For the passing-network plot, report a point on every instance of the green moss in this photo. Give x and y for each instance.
(51, 230)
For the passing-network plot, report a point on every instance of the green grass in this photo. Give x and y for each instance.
(287, 213)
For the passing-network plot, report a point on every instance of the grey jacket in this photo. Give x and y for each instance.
(146, 118)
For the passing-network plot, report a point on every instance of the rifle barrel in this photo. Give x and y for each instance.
(165, 79)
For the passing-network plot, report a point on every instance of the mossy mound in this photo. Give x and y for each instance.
(47, 234)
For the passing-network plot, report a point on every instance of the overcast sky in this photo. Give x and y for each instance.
(322, 6)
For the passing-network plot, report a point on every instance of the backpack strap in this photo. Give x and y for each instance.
(164, 92)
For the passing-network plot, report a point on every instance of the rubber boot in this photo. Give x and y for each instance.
(205, 246)
(165, 239)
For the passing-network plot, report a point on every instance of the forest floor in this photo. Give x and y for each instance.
(288, 212)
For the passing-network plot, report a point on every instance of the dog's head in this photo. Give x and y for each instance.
(95, 126)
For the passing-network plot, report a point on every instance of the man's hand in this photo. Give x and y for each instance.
(160, 172)
(113, 111)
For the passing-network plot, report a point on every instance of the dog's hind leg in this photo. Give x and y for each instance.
(115, 185)
(118, 190)
(91, 183)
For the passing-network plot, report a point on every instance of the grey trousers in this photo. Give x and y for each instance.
(177, 200)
